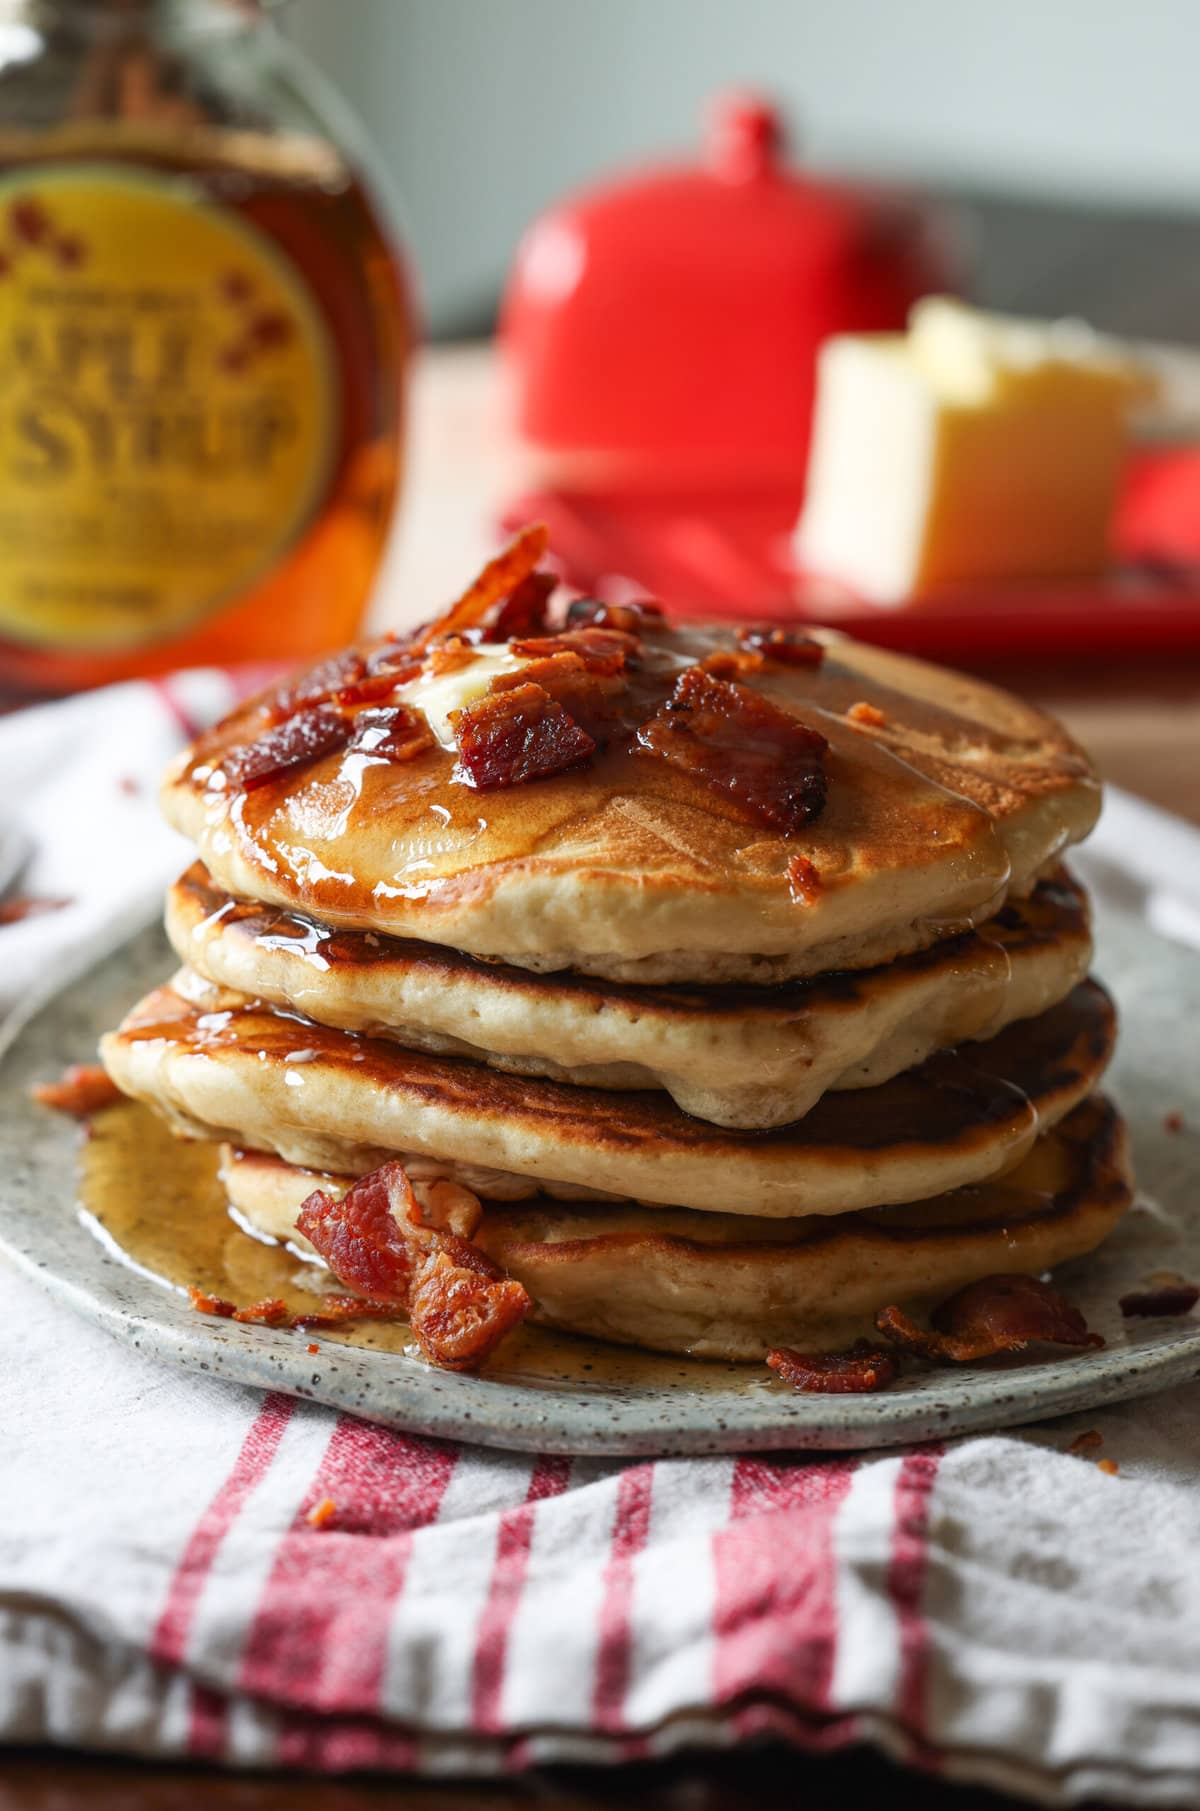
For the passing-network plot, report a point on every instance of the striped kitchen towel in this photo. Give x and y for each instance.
(1002, 1611)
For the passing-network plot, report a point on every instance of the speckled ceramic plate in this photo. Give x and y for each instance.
(674, 1407)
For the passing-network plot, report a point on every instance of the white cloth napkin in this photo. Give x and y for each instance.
(1002, 1611)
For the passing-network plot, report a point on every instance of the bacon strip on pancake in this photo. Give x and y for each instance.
(515, 735)
(854, 1373)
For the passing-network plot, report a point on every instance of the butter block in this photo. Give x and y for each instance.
(972, 447)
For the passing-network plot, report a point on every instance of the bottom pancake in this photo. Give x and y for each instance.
(733, 1286)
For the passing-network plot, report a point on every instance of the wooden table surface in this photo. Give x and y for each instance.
(1141, 720)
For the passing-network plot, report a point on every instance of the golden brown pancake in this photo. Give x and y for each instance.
(333, 1100)
(952, 798)
(737, 1056)
(716, 1285)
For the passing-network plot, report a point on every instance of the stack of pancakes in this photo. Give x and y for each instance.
(724, 1076)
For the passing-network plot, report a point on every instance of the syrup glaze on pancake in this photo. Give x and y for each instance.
(728, 1286)
(338, 1101)
(632, 867)
(737, 1056)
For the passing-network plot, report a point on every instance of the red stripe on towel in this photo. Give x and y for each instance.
(775, 1620)
(906, 1587)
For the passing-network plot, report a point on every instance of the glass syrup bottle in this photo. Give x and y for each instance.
(204, 333)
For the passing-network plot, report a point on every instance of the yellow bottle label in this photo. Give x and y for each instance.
(168, 407)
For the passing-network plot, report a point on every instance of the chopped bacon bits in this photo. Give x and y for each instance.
(862, 1369)
(804, 881)
(316, 686)
(334, 1310)
(204, 1303)
(732, 663)
(867, 714)
(1109, 1467)
(371, 690)
(742, 745)
(312, 1346)
(270, 1312)
(631, 619)
(511, 736)
(81, 1090)
(1173, 1122)
(296, 742)
(375, 1239)
(1168, 1298)
(360, 1237)
(394, 733)
(1090, 1441)
(524, 612)
(322, 1513)
(451, 656)
(28, 905)
(605, 651)
(498, 580)
(592, 699)
(461, 1306)
(787, 646)
(996, 1314)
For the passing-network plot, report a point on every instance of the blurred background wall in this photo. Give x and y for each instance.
(1052, 121)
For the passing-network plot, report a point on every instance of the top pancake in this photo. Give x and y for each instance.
(631, 868)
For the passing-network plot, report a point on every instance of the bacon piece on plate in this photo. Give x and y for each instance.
(511, 736)
(498, 580)
(854, 1373)
(790, 647)
(524, 612)
(996, 1314)
(741, 745)
(395, 733)
(272, 1311)
(363, 1237)
(81, 1090)
(293, 743)
(376, 1241)
(204, 1303)
(1166, 1298)
(461, 1306)
(732, 663)
(804, 881)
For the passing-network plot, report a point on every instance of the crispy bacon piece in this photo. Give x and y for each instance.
(28, 905)
(461, 1306)
(1109, 1467)
(524, 613)
(336, 1309)
(204, 1303)
(376, 1240)
(1090, 1441)
(395, 733)
(995, 1314)
(867, 714)
(498, 580)
(371, 690)
(732, 663)
(602, 651)
(81, 1090)
(632, 619)
(362, 1238)
(317, 685)
(395, 659)
(854, 1373)
(804, 880)
(322, 1513)
(270, 1312)
(293, 743)
(1167, 1298)
(515, 735)
(741, 745)
(790, 647)
(593, 699)
(451, 655)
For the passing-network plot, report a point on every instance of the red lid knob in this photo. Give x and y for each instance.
(745, 136)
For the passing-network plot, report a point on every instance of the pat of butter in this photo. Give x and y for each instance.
(440, 695)
(972, 447)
